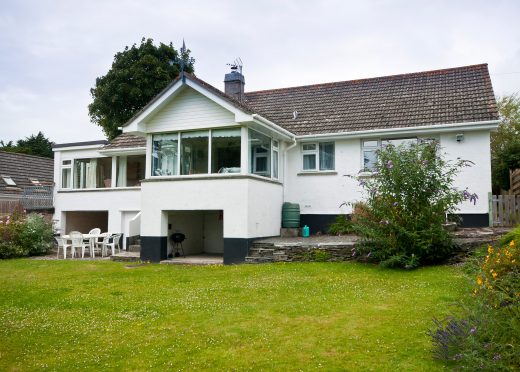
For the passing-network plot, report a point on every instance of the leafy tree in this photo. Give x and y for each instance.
(34, 145)
(505, 142)
(400, 224)
(137, 75)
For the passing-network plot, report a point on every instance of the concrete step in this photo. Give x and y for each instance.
(134, 248)
(126, 257)
(261, 252)
(258, 260)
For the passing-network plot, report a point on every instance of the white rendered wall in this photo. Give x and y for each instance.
(323, 193)
(189, 110)
(231, 195)
(477, 178)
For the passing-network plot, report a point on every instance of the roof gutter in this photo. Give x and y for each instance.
(438, 128)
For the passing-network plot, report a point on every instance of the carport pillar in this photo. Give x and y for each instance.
(154, 240)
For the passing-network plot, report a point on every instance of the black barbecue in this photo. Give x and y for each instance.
(177, 239)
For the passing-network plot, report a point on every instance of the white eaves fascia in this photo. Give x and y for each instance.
(124, 151)
(426, 129)
(69, 148)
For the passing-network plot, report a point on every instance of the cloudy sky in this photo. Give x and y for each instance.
(52, 51)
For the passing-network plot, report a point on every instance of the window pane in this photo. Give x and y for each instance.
(92, 173)
(309, 147)
(66, 162)
(164, 155)
(275, 164)
(130, 172)
(370, 143)
(194, 152)
(327, 156)
(309, 162)
(66, 178)
(225, 151)
(399, 142)
(369, 160)
(260, 152)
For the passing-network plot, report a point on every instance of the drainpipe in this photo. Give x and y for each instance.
(285, 163)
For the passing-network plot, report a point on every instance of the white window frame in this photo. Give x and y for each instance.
(67, 166)
(275, 145)
(316, 153)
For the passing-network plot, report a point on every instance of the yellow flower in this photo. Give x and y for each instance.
(512, 243)
(479, 280)
(490, 249)
(495, 275)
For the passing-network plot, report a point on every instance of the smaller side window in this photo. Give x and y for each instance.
(66, 174)
(310, 155)
(275, 158)
(369, 154)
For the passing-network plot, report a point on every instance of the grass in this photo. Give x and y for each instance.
(66, 315)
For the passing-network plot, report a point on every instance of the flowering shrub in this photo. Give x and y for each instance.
(407, 199)
(24, 235)
(486, 335)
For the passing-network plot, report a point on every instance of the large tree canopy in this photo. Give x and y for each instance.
(137, 75)
(505, 142)
(34, 145)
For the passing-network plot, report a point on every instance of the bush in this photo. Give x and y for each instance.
(317, 255)
(22, 235)
(486, 333)
(511, 235)
(342, 225)
(407, 199)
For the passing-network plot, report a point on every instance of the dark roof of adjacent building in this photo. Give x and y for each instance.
(21, 167)
(454, 95)
(448, 96)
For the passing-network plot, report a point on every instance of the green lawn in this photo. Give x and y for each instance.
(104, 315)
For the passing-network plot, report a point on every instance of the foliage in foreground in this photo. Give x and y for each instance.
(137, 75)
(341, 226)
(505, 142)
(486, 333)
(407, 199)
(25, 235)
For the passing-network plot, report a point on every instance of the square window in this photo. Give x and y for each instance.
(309, 161)
(9, 181)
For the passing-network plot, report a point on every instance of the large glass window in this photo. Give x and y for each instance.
(164, 154)
(194, 152)
(318, 156)
(225, 151)
(130, 170)
(92, 173)
(260, 152)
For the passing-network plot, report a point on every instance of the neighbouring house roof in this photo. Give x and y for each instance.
(454, 95)
(21, 168)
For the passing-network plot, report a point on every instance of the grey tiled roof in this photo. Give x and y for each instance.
(20, 167)
(455, 95)
(126, 141)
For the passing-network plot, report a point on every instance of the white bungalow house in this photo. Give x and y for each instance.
(217, 166)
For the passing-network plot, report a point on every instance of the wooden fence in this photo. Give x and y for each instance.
(505, 210)
(9, 206)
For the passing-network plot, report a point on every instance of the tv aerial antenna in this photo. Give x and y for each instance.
(236, 65)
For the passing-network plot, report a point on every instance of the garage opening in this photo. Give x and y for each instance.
(203, 231)
(84, 221)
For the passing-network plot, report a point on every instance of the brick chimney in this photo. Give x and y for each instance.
(234, 83)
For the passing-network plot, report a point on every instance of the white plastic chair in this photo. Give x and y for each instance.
(111, 241)
(92, 241)
(62, 243)
(78, 242)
